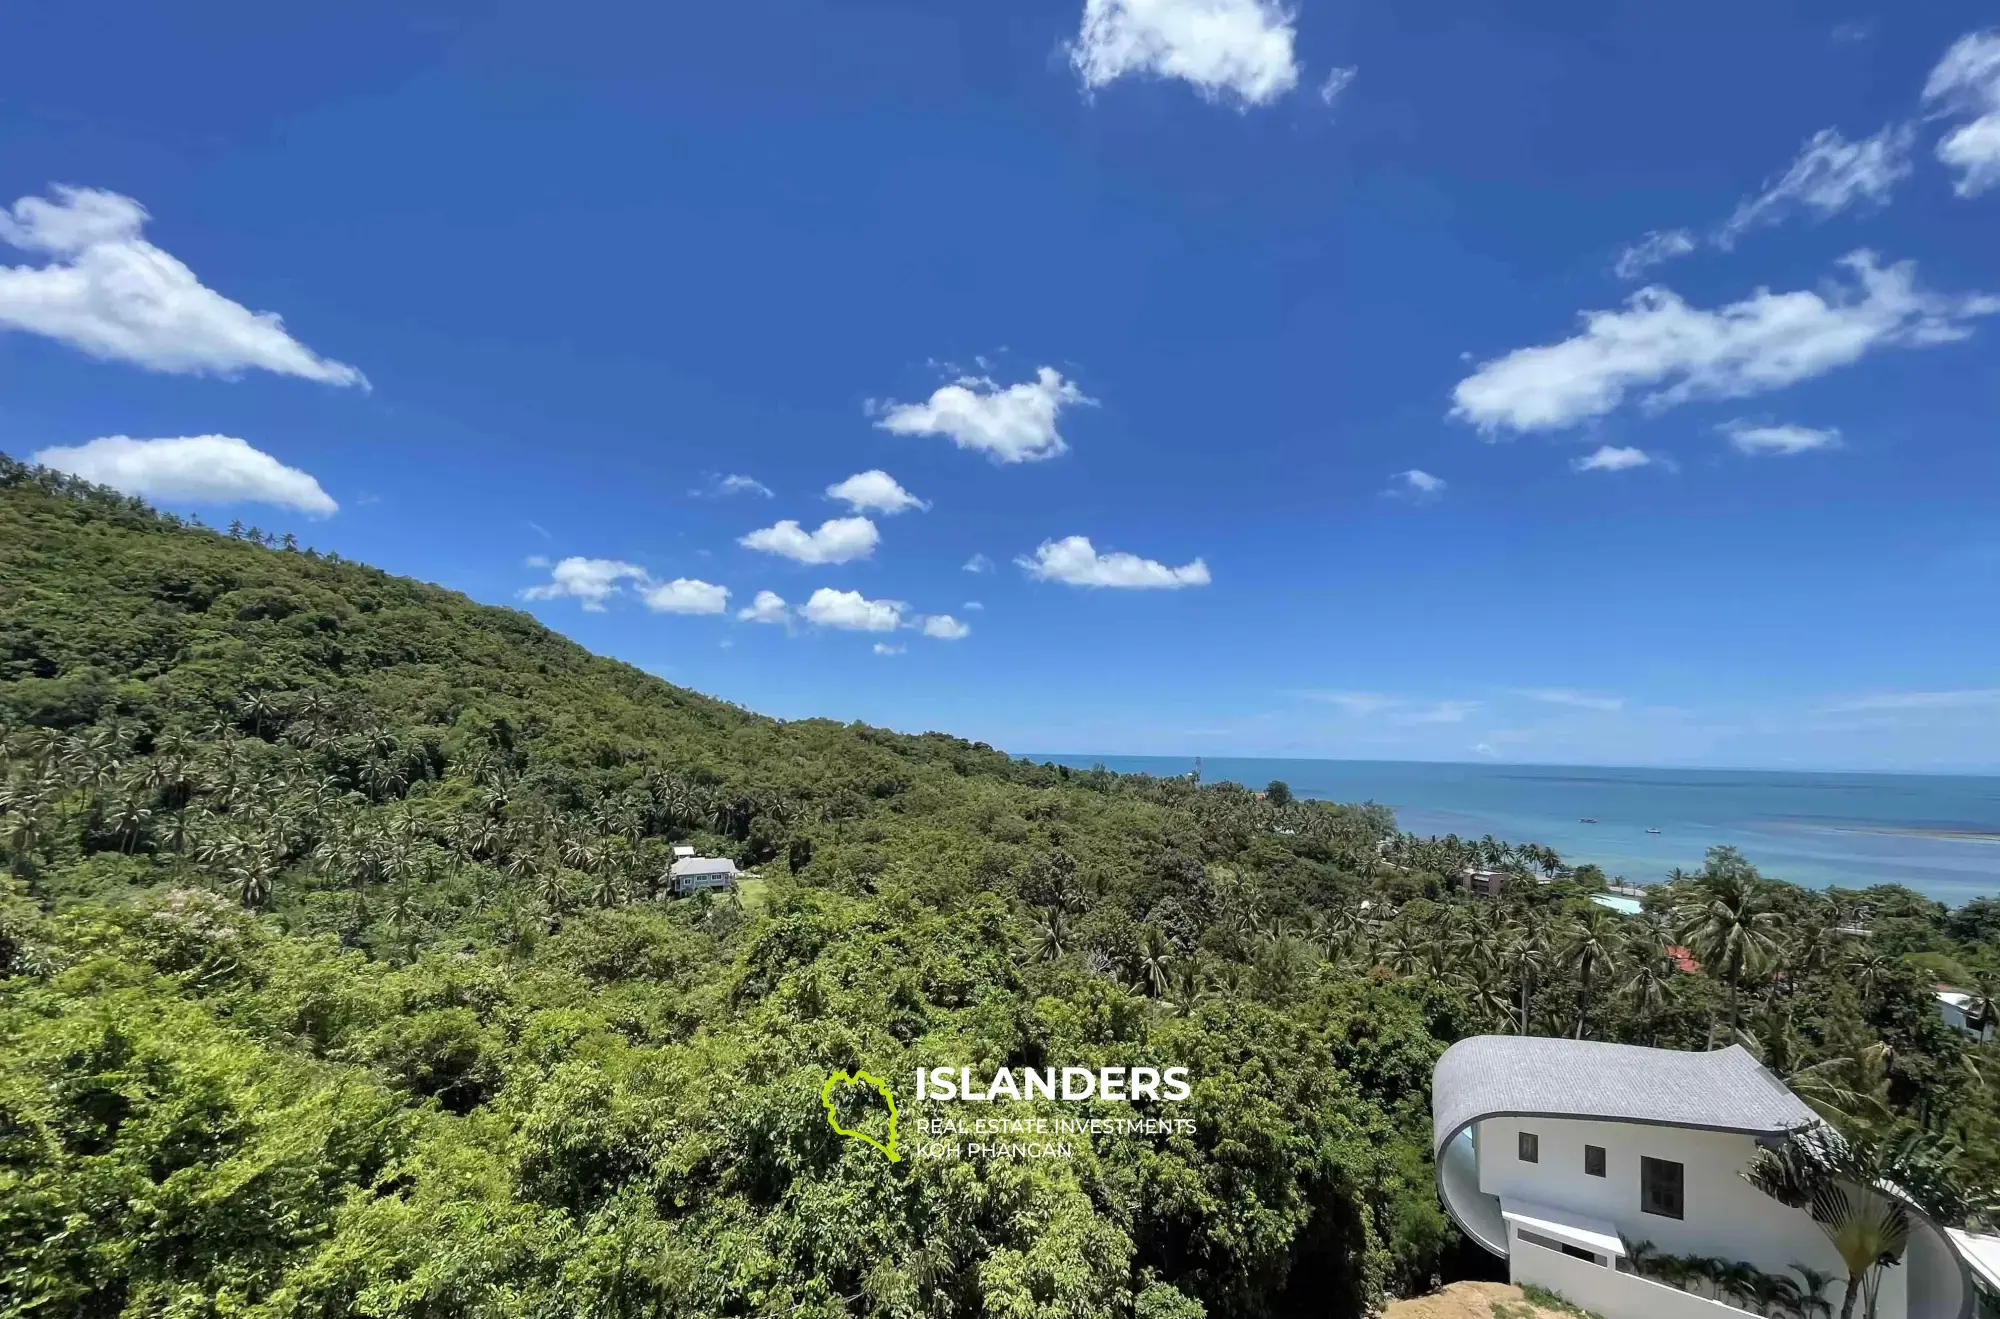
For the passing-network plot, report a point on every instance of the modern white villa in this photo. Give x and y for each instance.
(1569, 1157)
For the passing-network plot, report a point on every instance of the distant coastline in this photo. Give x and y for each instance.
(1953, 835)
(1935, 833)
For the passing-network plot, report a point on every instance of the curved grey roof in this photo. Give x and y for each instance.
(1530, 1076)
(1501, 1075)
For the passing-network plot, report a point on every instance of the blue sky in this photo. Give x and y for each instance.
(1687, 319)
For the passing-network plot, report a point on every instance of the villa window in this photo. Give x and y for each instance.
(1662, 1187)
(1531, 1147)
(1593, 1160)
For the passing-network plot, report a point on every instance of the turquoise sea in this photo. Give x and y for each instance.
(1938, 834)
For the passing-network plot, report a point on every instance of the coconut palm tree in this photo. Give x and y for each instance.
(1156, 962)
(1592, 944)
(24, 830)
(1528, 953)
(607, 888)
(1727, 922)
(1052, 935)
(1649, 984)
(552, 887)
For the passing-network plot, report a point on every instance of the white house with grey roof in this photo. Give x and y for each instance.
(695, 874)
(1564, 1157)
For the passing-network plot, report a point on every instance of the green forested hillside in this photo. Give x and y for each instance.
(334, 980)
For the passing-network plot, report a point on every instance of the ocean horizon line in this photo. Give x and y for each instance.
(1067, 757)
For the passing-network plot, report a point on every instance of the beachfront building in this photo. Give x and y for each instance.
(696, 874)
(1965, 1014)
(1580, 1163)
(1484, 883)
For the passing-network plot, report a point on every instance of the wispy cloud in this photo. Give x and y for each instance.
(1830, 175)
(1967, 699)
(1967, 82)
(1436, 712)
(1566, 696)
(1416, 485)
(978, 563)
(1358, 704)
(1654, 249)
(1671, 353)
(1613, 458)
(1337, 81)
(1402, 710)
(1765, 440)
(721, 487)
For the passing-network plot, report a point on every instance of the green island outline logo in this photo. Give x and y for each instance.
(881, 1088)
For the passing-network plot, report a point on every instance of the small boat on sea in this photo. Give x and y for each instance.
(1652, 831)
(1590, 819)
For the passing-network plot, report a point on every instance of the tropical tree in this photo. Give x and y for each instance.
(1592, 943)
(1727, 922)
(1649, 986)
(1837, 1181)
(1156, 961)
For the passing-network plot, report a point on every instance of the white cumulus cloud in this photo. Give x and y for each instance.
(767, 607)
(944, 627)
(1613, 458)
(876, 491)
(1655, 248)
(685, 595)
(209, 469)
(1779, 440)
(1239, 48)
(1967, 82)
(1676, 352)
(592, 581)
(1075, 561)
(850, 611)
(840, 540)
(110, 293)
(1830, 175)
(1014, 424)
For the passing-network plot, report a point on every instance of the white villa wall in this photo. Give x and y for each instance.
(1612, 1294)
(1725, 1217)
